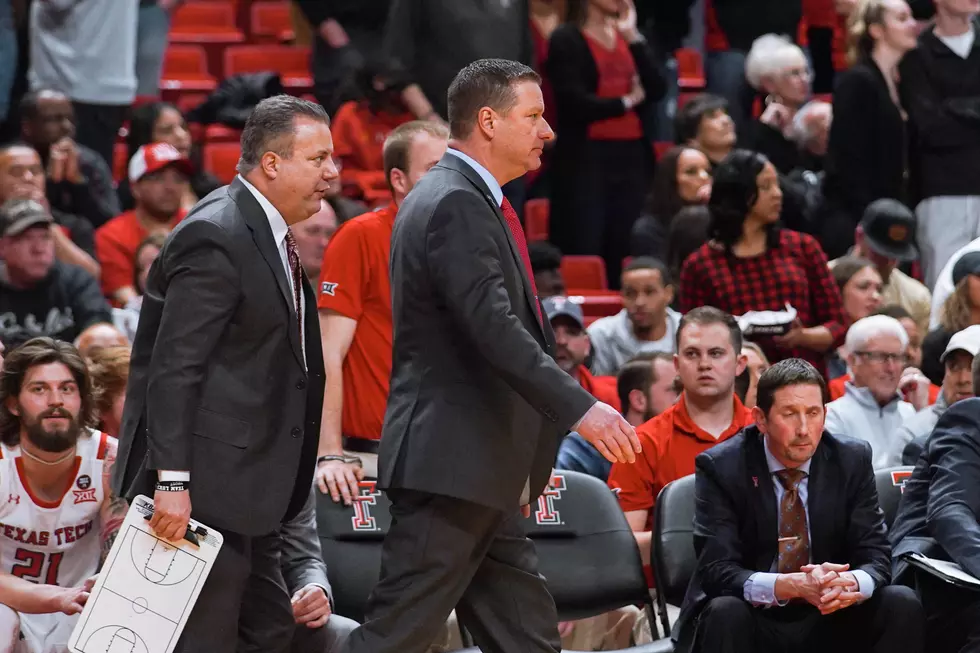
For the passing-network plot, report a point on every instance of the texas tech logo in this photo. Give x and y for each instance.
(899, 477)
(363, 520)
(546, 514)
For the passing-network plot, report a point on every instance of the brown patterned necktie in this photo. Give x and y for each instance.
(794, 542)
(292, 253)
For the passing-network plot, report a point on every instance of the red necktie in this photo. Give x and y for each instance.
(516, 230)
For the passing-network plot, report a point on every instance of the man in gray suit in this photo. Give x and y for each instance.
(477, 402)
(226, 375)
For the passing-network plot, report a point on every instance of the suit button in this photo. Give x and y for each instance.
(296, 432)
(301, 384)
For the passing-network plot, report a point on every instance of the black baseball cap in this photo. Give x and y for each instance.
(889, 229)
(967, 264)
(17, 216)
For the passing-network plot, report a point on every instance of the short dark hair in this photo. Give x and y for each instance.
(649, 263)
(544, 256)
(638, 373)
(30, 102)
(270, 127)
(787, 372)
(484, 83)
(896, 311)
(706, 315)
(687, 122)
(42, 351)
(734, 190)
(399, 143)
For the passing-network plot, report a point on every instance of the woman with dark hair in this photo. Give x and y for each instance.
(682, 178)
(162, 122)
(751, 264)
(604, 77)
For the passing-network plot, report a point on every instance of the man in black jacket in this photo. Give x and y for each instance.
(941, 92)
(792, 551)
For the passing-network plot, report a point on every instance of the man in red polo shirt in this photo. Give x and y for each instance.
(708, 358)
(354, 298)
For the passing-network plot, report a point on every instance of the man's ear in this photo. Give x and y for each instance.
(12, 406)
(399, 181)
(638, 401)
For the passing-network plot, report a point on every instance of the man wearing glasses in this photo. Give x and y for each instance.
(873, 407)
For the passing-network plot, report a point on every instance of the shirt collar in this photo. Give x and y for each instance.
(488, 179)
(684, 423)
(276, 221)
(775, 466)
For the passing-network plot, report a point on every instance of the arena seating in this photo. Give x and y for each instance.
(673, 557)
(891, 484)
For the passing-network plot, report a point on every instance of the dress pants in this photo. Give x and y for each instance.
(952, 615)
(97, 126)
(891, 621)
(442, 553)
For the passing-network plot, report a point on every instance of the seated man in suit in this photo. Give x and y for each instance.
(791, 544)
(939, 517)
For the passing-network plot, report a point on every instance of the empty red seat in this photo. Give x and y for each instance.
(690, 69)
(185, 68)
(584, 272)
(220, 160)
(290, 61)
(206, 20)
(599, 305)
(270, 21)
(536, 213)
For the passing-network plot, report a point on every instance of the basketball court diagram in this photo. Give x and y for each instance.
(146, 590)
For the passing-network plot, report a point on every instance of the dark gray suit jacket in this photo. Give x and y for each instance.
(217, 383)
(301, 556)
(477, 402)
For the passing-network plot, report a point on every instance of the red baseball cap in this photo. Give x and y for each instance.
(156, 156)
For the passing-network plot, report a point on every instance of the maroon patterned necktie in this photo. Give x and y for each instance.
(516, 230)
(794, 542)
(292, 253)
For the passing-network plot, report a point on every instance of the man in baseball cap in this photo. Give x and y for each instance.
(886, 237)
(158, 176)
(573, 347)
(958, 384)
(20, 215)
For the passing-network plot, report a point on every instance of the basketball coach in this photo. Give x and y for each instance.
(226, 379)
(477, 403)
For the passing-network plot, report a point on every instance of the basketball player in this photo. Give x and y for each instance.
(58, 518)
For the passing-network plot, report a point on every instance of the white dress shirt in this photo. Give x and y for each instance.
(495, 190)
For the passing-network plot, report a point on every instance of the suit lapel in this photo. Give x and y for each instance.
(818, 488)
(258, 224)
(764, 499)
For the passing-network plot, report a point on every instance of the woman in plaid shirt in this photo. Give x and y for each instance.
(751, 264)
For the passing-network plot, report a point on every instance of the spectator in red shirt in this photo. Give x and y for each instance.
(751, 264)
(572, 348)
(646, 386)
(157, 174)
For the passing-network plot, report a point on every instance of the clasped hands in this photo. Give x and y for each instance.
(829, 587)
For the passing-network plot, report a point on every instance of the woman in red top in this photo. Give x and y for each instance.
(603, 75)
(751, 264)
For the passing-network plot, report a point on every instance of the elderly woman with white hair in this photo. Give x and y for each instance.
(872, 407)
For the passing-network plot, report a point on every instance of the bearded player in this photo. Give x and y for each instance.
(58, 518)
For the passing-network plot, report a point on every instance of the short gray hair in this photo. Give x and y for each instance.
(270, 127)
(804, 127)
(873, 326)
(771, 54)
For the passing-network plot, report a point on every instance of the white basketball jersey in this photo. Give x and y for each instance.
(53, 542)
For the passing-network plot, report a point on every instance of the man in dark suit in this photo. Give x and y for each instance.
(792, 552)
(477, 403)
(226, 378)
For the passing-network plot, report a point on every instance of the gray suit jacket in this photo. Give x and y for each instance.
(302, 560)
(217, 382)
(477, 403)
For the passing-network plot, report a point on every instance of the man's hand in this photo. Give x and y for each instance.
(63, 162)
(914, 386)
(798, 585)
(311, 607)
(839, 593)
(171, 513)
(334, 34)
(339, 479)
(777, 116)
(606, 430)
(68, 600)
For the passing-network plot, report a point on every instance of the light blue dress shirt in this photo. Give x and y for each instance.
(760, 587)
(495, 190)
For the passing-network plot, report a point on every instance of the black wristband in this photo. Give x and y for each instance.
(173, 486)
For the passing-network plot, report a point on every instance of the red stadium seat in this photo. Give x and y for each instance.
(690, 69)
(211, 25)
(584, 272)
(220, 160)
(599, 304)
(536, 219)
(270, 22)
(185, 68)
(221, 134)
(187, 101)
(291, 62)
(120, 162)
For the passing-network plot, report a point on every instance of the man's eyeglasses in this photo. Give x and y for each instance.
(883, 357)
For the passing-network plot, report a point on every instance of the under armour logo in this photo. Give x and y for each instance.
(14, 498)
(328, 288)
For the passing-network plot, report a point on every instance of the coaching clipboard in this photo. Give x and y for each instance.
(146, 589)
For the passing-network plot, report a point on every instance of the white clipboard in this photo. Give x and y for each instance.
(146, 589)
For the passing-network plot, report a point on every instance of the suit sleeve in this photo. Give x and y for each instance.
(302, 562)
(203, 288)
(953, 508)
(716, 538)
(867, 537)
(465, 264)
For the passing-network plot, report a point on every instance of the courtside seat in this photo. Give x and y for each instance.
(673, 557)
(890, 484)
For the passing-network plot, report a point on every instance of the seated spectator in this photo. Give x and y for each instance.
(312, 236)
(682, 178)
(944, 283)
(645, 385)
(886, 237)
(109, 369)
(39, 295)
(872, 409)
(162, 122)
(572, 348)
(687, 232)
(646, 322)
(860, 290)
(127, 318)
(960, 310)
(777, 68)
(99, 336)
(755, 363)
(787, 519)
(703, 122)
(708, 359)
(752, 264)
(939, 517)
(158, 174)
(546, 268)
(79, 180)
(957, 385)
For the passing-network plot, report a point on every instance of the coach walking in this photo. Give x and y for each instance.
(226, 380)
(477, 403)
